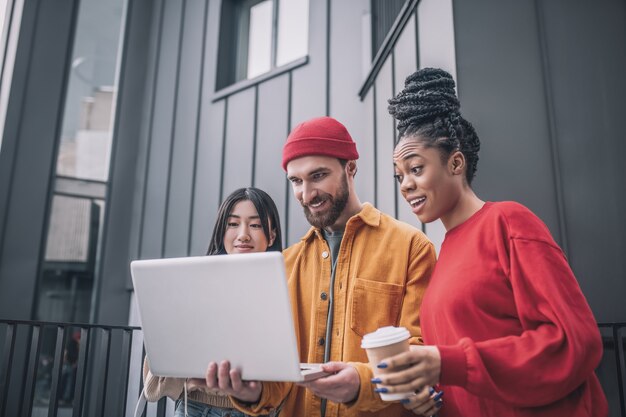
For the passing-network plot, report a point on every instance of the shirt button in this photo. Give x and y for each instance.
(324, 254)
(320, 341)
(323, 296)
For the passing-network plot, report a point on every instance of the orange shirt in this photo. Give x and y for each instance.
(383, 268)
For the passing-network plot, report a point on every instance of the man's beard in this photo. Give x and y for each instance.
(337, 205)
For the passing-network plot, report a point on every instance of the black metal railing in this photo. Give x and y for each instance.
(80, 369)
(66, 368)
(612, 371)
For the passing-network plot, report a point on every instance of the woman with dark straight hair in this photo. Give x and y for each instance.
(247, 222)
(267, 215)
(507, 331)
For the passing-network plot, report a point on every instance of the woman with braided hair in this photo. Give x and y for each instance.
(507, 330)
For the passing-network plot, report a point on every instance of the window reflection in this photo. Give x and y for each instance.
(260, 39)
(68, 274)
(293, 30)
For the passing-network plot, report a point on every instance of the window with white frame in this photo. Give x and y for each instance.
(257, 36)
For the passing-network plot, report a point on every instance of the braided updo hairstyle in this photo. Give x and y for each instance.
(428, 108)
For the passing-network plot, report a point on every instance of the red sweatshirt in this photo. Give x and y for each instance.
(516, 335)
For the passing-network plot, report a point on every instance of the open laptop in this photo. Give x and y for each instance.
(197, 310)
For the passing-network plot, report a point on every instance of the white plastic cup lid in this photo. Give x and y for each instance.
(385, 336)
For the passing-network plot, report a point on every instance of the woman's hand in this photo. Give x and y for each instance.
(424, 369)
(229, 381)
(425, 402)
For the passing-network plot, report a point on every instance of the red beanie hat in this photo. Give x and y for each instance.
(320, 136)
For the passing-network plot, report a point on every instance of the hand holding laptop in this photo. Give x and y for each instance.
(338, 382)
(341, 385)
(229, 381)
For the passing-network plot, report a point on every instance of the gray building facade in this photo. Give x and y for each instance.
(542, 81)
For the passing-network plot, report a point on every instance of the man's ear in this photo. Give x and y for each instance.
(351, 168)
(456, 163)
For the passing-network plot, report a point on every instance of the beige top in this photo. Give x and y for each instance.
(156, 387)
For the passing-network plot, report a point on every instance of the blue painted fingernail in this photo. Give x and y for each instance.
(438, 396)
(382, 365)
(380, 390)
(376, 381)
(405, 401)
(431, 391)
(439, 404)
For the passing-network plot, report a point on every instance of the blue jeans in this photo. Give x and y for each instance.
(196, 409)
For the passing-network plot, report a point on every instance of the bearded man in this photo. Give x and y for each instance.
(355, 270)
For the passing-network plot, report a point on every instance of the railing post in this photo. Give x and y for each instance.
(5, 366)
(28, 388)
(81, 371)
(57, 368)
(104, 350)
(127, 341)
(619, 359)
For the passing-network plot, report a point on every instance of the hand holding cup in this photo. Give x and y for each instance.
(382, 344)
(412, 370)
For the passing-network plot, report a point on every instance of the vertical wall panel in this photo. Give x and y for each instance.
(345, 80)
(208, 174)
(436, 36)
(239, 127)
(12, 85)
(35, 126)
(309, 85)
(185, 134)
(505, 100)
(585, 78)
(271, 132)
(365, 181)
(144, 138)
(208, 165)
(8, 158)
(117, 246)
(405, 60)
(152, 244)
(384, 141)
(366, 175)
(308, 99)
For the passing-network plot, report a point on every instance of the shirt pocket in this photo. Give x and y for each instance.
(374, 304)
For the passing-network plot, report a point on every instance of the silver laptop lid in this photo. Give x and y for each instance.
(195, 310)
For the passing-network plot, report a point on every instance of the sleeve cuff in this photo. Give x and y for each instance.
(254, 409)
(453, 365)
(262, 407)
(366, 398)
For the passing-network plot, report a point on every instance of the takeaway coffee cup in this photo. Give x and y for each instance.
(383, 343)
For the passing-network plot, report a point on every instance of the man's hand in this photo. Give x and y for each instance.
(229, 381)
(341, 386)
